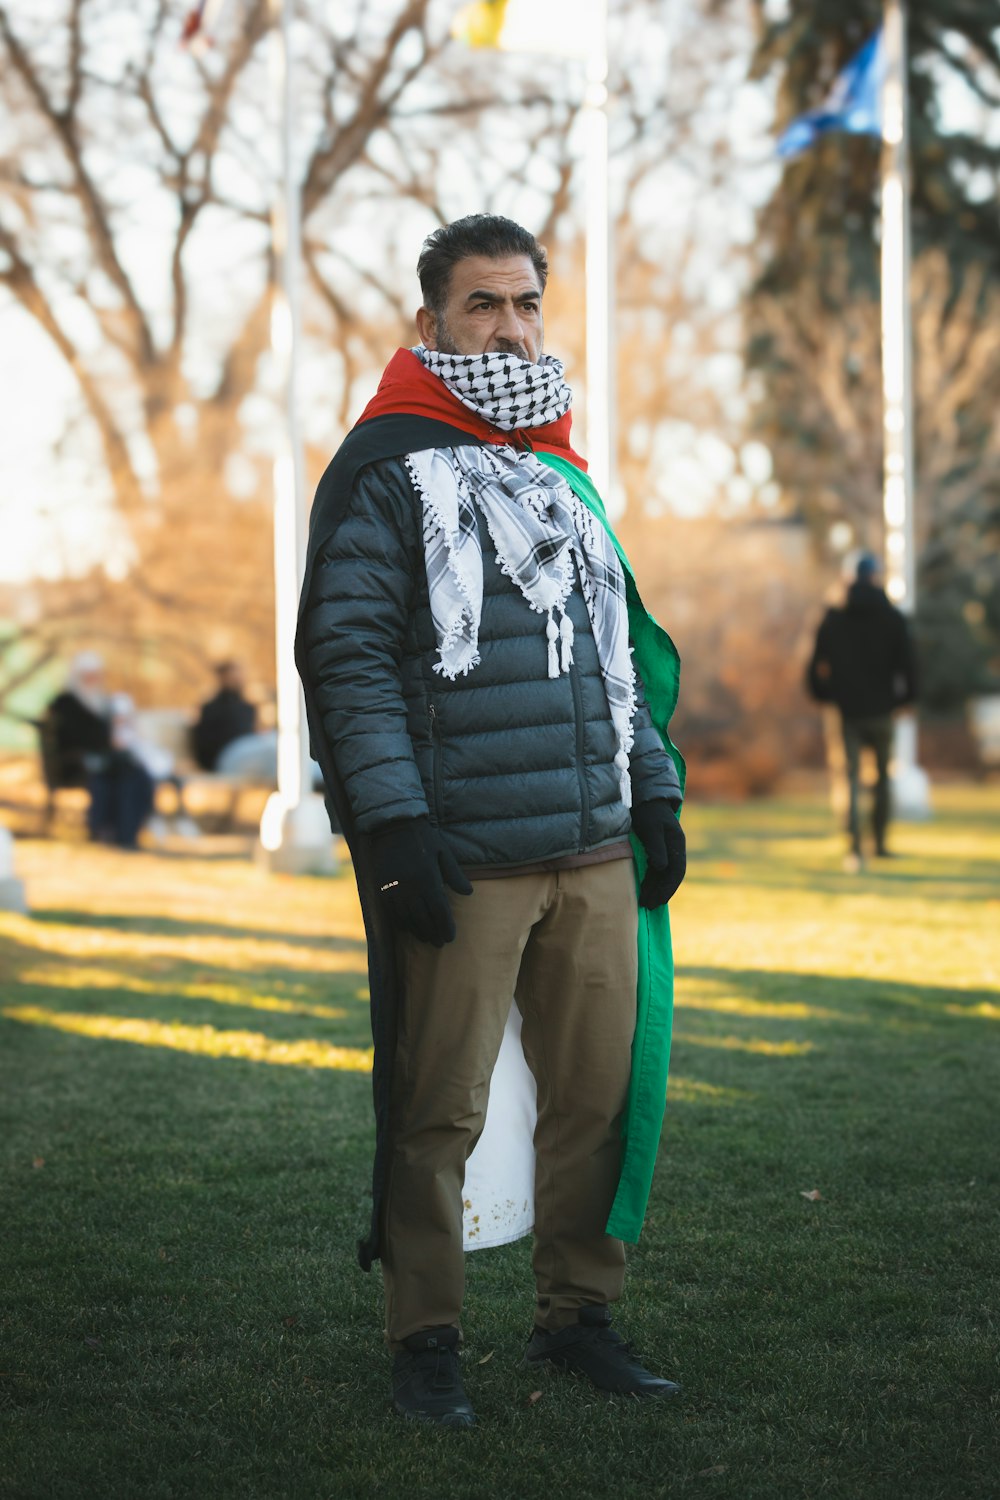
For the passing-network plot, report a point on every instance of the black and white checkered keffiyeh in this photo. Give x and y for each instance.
(544, 537)
(506, 391)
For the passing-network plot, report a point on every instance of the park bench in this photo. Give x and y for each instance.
(55, 775)
(205, 795)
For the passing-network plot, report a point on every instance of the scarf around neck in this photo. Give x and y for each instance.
(543, 535)
(506, 391)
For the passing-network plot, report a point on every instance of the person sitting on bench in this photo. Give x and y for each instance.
(84, 751)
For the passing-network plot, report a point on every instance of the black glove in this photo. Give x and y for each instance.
(655, 825)
(412, 863)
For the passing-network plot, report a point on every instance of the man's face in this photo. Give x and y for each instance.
(493, 307)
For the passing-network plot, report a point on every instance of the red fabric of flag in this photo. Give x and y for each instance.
(408, 386)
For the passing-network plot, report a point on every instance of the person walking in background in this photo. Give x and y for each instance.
(863, 662)
(87, 750)
(465, 643)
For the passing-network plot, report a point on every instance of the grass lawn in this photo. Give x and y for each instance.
(185, 1141)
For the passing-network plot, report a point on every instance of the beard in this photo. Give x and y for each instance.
(446, 344)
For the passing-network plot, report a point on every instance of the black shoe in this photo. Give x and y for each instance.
(593, 1348)
(426, 1385)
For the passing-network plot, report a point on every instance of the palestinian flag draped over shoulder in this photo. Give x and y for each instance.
(413, 411)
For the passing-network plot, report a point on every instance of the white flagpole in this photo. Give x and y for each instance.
(909, 781)
(585, 35)
(12, 897)
(599, 271)
(294, 830)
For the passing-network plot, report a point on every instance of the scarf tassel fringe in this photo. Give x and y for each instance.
(560, 638)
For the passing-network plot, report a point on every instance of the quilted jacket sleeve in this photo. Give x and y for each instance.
(355, 624)
(652, 769)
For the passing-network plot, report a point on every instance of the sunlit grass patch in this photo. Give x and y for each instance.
(756, 1046)
(84, 977)
(201, 1041)
(682, 1090)
(689, 997)
(236, 951)
(986, 1010)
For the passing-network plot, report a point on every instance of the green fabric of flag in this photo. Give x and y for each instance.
(659, 667)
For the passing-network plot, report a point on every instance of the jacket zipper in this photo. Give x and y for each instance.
(574, 679)
(436, 768)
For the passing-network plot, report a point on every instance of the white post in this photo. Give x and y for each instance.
(909, 782)
(294, 830)
(599, 272)
(12, 897)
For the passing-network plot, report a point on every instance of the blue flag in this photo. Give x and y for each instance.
(854, 103)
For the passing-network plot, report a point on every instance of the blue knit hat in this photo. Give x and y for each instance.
(867, 568)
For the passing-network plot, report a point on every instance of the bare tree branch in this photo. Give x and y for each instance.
(22, 283)
(63, 126)
(334, 156)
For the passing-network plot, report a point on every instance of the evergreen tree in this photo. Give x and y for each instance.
(813, 315)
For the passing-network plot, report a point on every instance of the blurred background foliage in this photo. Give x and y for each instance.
(813, 321)
(135, 186)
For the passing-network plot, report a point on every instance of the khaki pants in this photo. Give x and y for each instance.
(564, 946)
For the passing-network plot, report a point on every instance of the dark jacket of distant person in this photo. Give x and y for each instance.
(226, 717)
(863, 659)
(80, 739)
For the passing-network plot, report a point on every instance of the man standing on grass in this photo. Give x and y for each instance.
(863, 661)
(465, 642)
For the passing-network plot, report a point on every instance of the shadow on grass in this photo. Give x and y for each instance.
(153, 926)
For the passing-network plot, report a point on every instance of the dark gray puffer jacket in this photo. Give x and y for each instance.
(512, 765)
